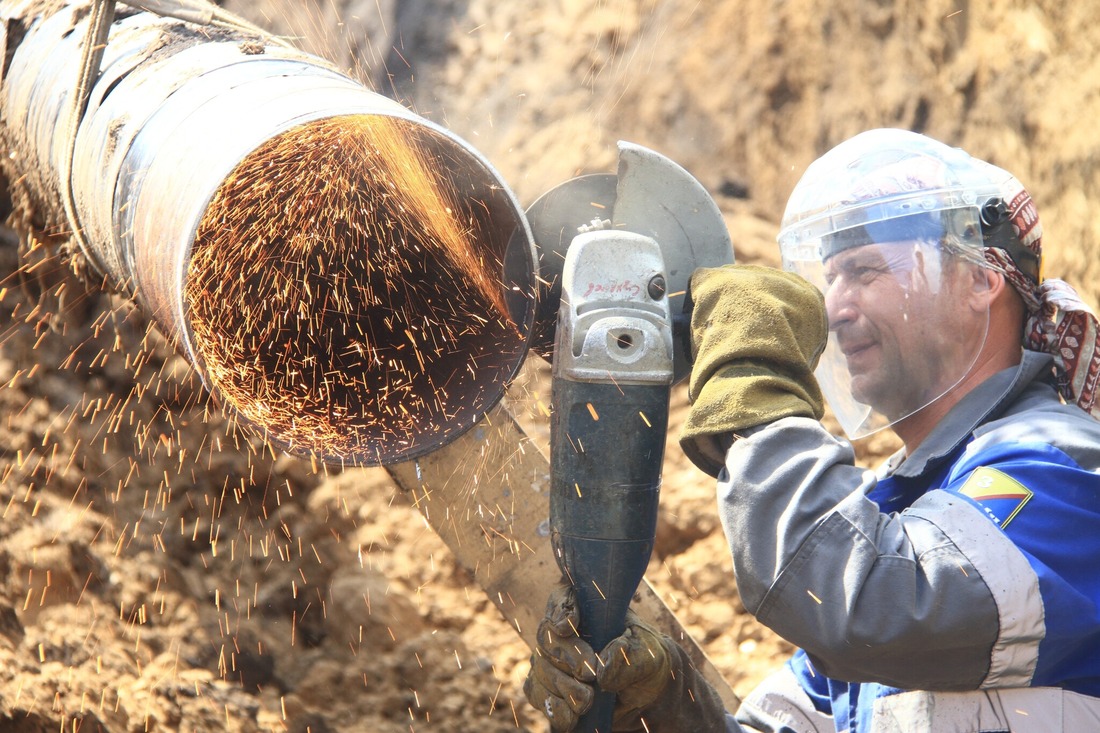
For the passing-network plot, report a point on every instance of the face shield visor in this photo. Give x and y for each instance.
(907, 319)
(894, 241)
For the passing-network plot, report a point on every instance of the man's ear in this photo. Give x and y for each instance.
(987, 286)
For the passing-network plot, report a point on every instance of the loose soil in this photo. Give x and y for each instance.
(161, 571)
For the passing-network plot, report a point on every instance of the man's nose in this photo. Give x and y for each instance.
(840, 305)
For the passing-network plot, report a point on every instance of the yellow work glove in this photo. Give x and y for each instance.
(756, 336)
(656, 687)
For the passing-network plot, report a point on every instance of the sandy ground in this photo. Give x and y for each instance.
(161, 571)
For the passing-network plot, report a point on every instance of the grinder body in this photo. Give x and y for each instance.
(615, 255)
(611, 380)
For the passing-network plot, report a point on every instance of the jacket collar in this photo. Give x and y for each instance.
(985, 401)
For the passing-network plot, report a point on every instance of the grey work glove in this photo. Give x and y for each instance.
(657, 689)
(756, 336)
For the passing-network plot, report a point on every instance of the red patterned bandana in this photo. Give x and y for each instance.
(1059, 323)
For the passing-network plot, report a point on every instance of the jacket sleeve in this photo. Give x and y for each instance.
(785, 703)
(888, 598)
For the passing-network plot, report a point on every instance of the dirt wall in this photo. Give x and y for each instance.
(161, 571)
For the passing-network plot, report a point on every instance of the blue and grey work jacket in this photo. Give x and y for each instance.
(958, 589)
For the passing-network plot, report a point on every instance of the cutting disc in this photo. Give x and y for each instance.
(555, 218)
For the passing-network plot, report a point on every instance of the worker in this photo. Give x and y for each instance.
(954, 589)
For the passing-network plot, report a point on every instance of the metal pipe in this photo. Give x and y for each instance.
(352, 280)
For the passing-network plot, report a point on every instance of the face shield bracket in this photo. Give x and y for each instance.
(998, 232)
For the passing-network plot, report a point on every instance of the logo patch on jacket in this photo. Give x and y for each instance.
(1000, 496)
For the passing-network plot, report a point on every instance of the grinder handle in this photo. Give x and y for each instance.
(607, 447)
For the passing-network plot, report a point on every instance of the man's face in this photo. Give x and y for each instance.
(899, 315)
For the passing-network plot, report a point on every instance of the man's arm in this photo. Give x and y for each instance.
(890, 598)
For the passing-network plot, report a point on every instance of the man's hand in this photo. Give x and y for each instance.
(649, 673)
(756, 336)
(563, 666)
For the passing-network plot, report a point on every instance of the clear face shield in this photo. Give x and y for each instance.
(908, 316)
